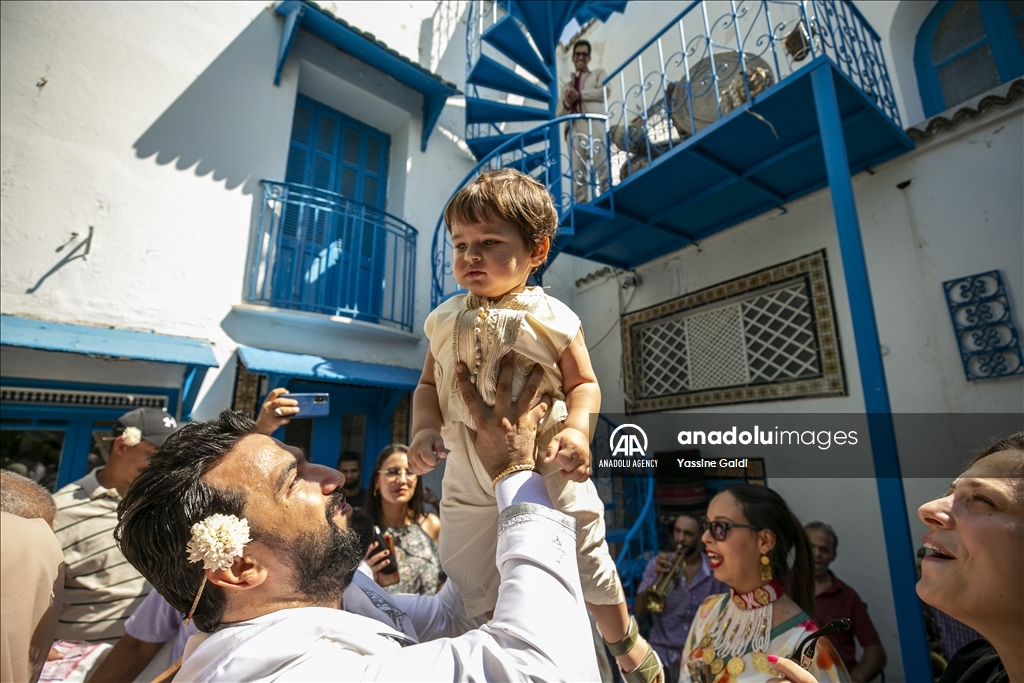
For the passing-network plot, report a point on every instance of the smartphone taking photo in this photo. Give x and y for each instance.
(311, 405)
(384, 542)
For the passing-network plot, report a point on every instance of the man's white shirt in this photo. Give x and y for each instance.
(539, 630)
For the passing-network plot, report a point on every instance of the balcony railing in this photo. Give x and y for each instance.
(320, 252)
(716, 55)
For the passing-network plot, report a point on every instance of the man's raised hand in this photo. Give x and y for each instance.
(276, 412)
(506, 434)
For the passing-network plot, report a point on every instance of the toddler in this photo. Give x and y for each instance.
(501, 228)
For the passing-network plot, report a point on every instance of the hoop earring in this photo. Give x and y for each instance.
(766, 569)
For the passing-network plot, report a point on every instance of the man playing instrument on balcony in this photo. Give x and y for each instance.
(581, 93)
(501, 227)
(696, 583)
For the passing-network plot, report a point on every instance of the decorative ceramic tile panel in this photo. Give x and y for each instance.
(766, 336)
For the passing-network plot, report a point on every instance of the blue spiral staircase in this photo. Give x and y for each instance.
(511, 75)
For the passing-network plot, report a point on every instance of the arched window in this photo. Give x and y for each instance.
(967, 47)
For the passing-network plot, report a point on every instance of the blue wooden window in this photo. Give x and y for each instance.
(333, 152)
(965, 48)
(330, 151)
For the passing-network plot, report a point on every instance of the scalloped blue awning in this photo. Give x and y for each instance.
(366, 48)
(328, 369)
(110, 342)
(105, 341)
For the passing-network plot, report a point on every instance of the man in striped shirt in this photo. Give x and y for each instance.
(101, 590)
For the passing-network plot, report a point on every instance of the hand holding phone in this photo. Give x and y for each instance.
(384, 542)
(311, 405)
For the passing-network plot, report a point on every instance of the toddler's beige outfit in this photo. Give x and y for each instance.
(478, 332)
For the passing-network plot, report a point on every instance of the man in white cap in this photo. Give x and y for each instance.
(101, 590)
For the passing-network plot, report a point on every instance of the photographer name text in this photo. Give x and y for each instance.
(683, 464)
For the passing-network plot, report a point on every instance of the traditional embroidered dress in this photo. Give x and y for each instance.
(730, 639)
(477, 332)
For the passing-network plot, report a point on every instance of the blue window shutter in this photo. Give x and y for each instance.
(333, 260)
(300, 143)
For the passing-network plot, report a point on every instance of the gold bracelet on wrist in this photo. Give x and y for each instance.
(521, 467)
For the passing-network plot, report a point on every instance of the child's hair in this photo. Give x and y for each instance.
(510, 196)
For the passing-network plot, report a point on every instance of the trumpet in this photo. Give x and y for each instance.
(654, 597)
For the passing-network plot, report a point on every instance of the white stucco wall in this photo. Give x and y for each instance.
(154, 123)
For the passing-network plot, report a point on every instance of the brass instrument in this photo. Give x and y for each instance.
(654, 597)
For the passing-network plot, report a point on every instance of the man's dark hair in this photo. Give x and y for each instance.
(826, 528)
(25, 498)
(158, 510)
(675, 517)
(349, 456)
(582, 41)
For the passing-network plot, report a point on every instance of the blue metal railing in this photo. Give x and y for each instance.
(715, 57)
(320, 252)
(538, 152)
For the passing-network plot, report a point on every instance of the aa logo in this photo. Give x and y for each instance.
(629, 441)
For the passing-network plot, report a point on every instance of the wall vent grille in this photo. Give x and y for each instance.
(91, 399)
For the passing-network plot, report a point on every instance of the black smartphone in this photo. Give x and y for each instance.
(311, 405)
(385, 542)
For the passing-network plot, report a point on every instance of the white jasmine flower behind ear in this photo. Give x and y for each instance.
(217, 541)
(132, 436)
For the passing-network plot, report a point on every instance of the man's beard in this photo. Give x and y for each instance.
(361, 523)
(323, 560)
(690, 551)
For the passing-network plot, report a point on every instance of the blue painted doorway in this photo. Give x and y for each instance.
(345, 244)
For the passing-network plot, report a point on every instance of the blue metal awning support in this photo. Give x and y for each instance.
(898, 542)
(108, 342)
(291, 27)
(364, 47)
(296, 365)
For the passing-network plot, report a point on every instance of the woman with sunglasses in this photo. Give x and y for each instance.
(396, 505)
(749, 535)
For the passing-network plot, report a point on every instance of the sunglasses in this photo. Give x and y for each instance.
(719, 530)
(581, 54)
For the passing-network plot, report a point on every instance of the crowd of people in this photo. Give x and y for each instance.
(214, 552)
